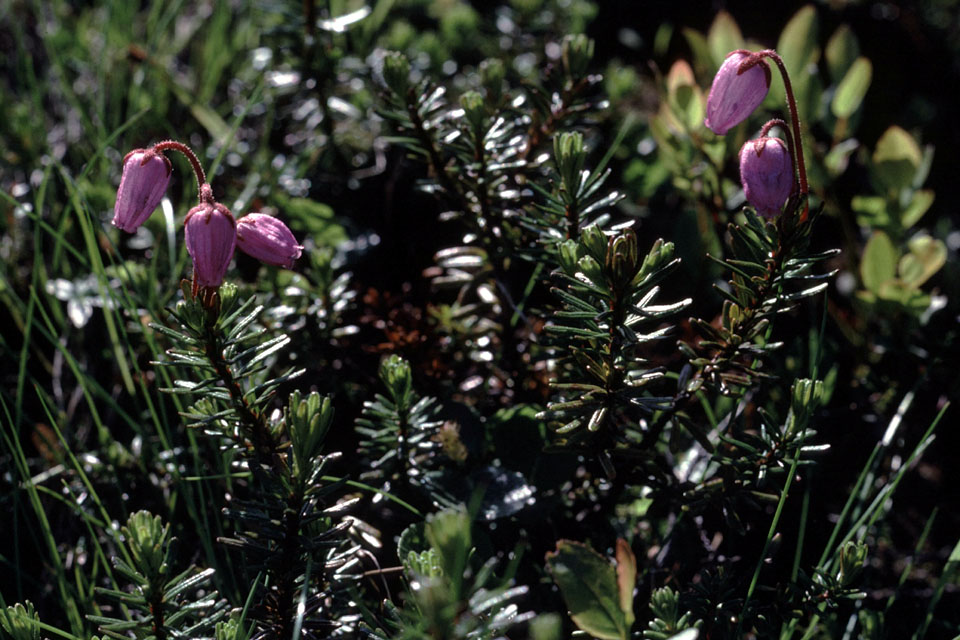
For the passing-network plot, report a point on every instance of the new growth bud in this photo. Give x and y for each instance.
(396, 376)
(267, 239)
(577, 52)
(492, 74)
(569, 156)
(473, 108)
(396, 72)
(146, 174)
(766, 171)
(210, 232)
(733, 95)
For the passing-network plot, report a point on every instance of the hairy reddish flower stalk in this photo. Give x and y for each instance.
(756, 58)
(190, 155)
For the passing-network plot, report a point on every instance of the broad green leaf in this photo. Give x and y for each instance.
(546, 626)
(912, 300)
(723, 37)
(871, 211)
(927, 255)
(842, 49)
(852, 89)
(662, 38)
(896, 158)
(879, 263)
(690, 106)
(687, 103)
(838, 157)
(702, 59)
(798, 48)
(680, 75)
(304, 215)
(626, 578)
(588, 583)
(922, 200)
(798, 40)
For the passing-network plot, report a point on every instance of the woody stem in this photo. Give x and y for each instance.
(190, 155)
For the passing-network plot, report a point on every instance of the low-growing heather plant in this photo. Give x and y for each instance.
(549, 429)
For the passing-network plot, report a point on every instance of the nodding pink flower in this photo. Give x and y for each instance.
(210, 232)
(146, 174)
(766, 171)
(267, 239)
(734, 97)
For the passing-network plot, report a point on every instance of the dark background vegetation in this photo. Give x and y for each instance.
(915, 50)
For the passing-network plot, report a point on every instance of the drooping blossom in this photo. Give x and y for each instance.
(766, 172)
(733, 97)
(267, 239)
(210, 233)
(146, 174)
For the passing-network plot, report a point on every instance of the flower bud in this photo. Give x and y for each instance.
(210, 232)
(146, 174)
(267, 239)
(766, 171)
(733, 97)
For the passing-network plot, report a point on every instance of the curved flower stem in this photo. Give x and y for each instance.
(754, 59)
(191, 156)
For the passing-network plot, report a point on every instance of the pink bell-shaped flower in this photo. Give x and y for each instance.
(766, 171)
(734, 97)
(267, 239)
(210, 232)
(146, 174)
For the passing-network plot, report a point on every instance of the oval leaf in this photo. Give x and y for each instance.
(918, 206)
(896, 158)
(927, 255)
(842, 49)
(879, 262)
(724, 36)
(798, 48)
(588, 583)
(702, 60)
(852, 89)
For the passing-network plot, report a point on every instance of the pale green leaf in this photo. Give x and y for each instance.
(723, 37)
(896, 158)
(842, 49)
(702, 60)
(879, 263)
(922, 200)
(927, 255)
(852, 89)
(797, 46)
(588, 583)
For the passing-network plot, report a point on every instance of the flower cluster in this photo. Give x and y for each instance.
(210, 231)
(766, 163)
